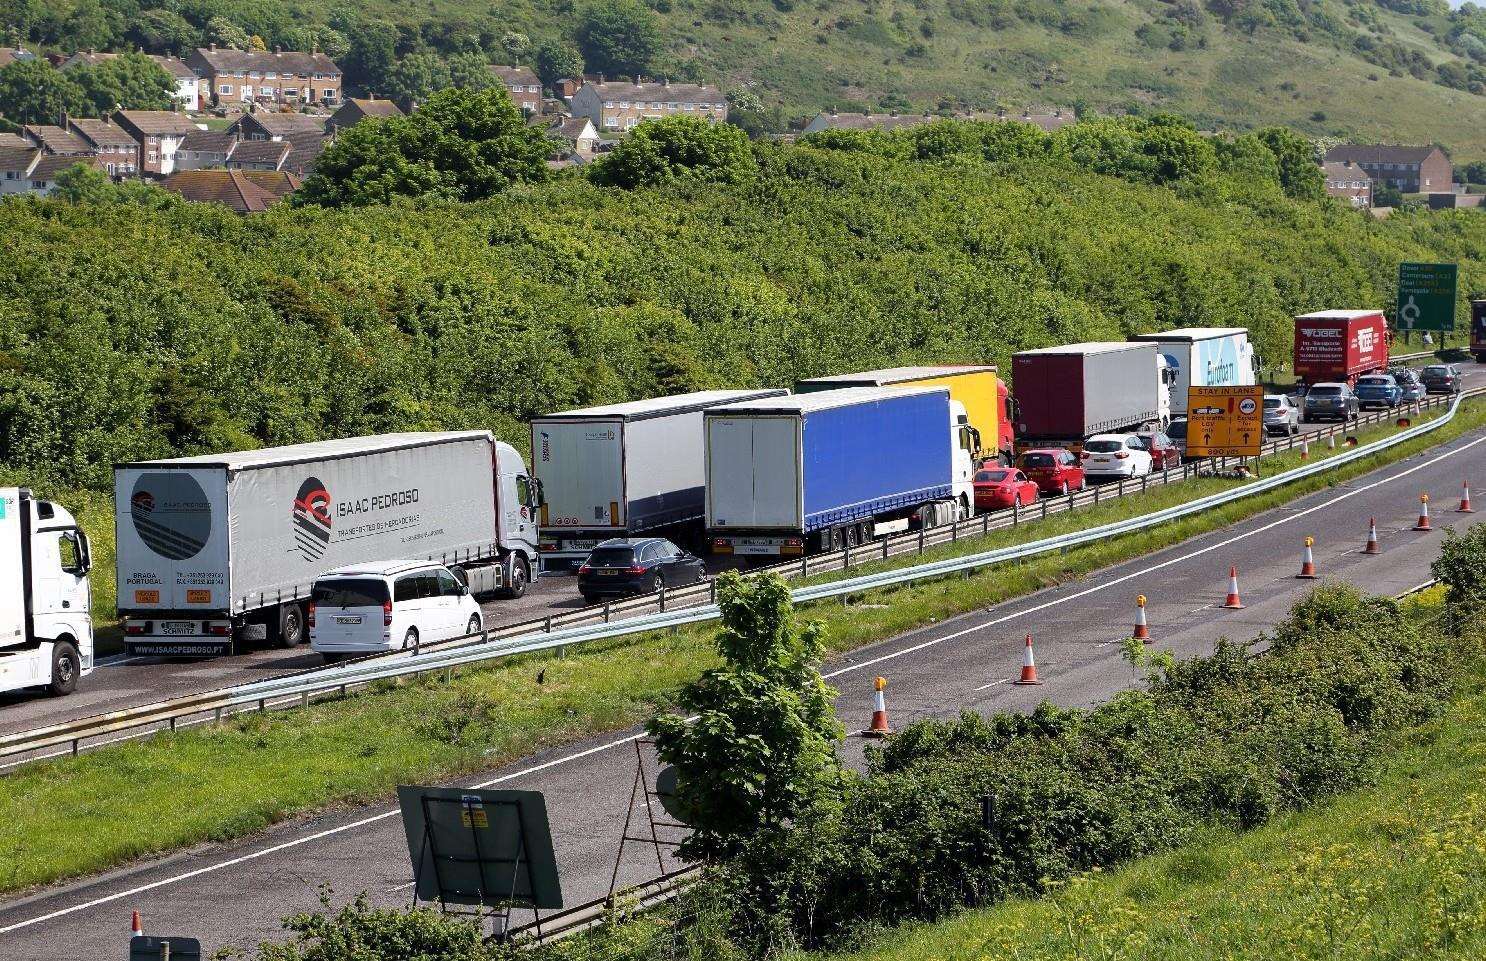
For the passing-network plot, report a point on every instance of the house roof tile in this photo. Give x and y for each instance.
(288, 61)
(232, 188)
(208, 141)
(656, 90)
(156, 123)
(57, 140)
(260, 151)
(515, 74)
(1379, 153)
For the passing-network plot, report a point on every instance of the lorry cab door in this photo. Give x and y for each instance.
(59, 577)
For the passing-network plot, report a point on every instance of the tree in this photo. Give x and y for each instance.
(618, 36)
(225, 33)
(1474, 172)
(132, 81)
(673, 148)
(33, 91)
(1461, 567)
(516, 46)
(460, 145)
(471, 71)
(1386, 195)
(162, 31)
(556, 61)
(1300, 176)
(764, 740)
(82, 184)
(373, 53)
(416, 77)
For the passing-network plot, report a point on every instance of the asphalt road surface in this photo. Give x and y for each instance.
(124, 681)
(236, 893)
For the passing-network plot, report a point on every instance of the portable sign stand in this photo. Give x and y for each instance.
(481, 853)
(663, 794)
(1226, 422)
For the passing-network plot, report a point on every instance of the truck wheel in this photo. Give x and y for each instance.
(66, 667)
(518, 577)
(291, 626)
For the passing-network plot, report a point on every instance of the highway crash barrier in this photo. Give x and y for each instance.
(301, 686)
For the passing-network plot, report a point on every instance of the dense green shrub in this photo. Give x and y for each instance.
(207, 332)
(1232, 738)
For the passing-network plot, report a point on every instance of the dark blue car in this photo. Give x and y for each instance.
(636, 565)
(1378, 390)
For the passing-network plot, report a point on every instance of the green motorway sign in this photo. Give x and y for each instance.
(1426, 297)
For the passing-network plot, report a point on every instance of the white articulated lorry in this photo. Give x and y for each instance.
(624, 469)
(46, 624)
(220, 549)
(1204, 357)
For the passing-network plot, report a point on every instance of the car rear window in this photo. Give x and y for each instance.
(1104, 446)
(1039, 460)
(1374, 382)
(364, 592)
(991, 475)
(1271, 403)
(1325, 392)
(1177, 430)
(611, 557)
(1436, 372)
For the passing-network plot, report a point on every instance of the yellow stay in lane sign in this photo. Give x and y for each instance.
(1225, 421)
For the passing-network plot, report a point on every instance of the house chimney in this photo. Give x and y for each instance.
(277, 50)
(212, 47)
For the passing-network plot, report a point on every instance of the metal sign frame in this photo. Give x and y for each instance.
(480, 852)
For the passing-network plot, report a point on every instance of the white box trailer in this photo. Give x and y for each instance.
(222, 548)
(46, 625)
(623, 469)
(1204, 357)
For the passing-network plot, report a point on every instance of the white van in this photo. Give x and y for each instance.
(397, 605)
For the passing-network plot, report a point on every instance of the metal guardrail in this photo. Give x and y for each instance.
(674, 609)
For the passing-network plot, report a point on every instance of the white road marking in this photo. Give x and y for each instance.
(1004, 680)
(298, 842)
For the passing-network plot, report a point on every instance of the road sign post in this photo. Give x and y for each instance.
(1225, 421)
(1426, 297)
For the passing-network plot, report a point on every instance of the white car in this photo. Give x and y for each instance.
(398, 605)
(1115, 455)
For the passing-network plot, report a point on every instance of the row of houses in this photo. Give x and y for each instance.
(1354, 172)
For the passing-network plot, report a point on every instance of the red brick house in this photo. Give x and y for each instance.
(159, 133)
(247, 76)
(522, 84)
(1410, 170)
(1347, 181)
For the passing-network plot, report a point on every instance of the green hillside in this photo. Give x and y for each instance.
(1402, 70)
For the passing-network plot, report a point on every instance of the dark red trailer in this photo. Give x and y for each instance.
(1340, 345)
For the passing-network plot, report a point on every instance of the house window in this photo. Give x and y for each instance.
(608, 104)
(38, 185)
(691, 106)
(265, 91)
(329, 94)
(225, 88)
(270, 76)
(12, 175)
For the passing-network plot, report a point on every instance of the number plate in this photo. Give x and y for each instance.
(178, 627)
(607, 572)
(348, 619)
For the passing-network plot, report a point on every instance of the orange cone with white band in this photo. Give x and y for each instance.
(879, 726)
(1423, 524)
(1372, 537)
(1307, 562)
(136, 930)
(1029, 665)
(1465, 499)
(1233, 602)
(1142, 632)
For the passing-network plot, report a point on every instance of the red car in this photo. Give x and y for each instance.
(1002, 487)
(1164, 452)
(1053, 470)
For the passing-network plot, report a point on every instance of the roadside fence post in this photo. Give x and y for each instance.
(1016, 513)
(1044, 510)
(1096, 495)
(546, 629)
(663, 598)
(606, 605)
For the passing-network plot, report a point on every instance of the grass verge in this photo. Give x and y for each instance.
(207, 784)
(1394, 871)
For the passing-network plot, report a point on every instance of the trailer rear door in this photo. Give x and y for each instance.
(753, 473)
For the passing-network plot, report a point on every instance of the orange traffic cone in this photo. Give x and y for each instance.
(1305, 450)
(136, 930)
(1423, 524)
(1233, 603)
(1372, 537)
(1307, 562)
(1029, 665)
(879, 726)
(1142, 632)
(1465, 499)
